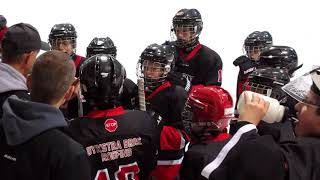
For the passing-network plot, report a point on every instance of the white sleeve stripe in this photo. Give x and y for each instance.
(182, 141)
(225, 150)
(170, 162)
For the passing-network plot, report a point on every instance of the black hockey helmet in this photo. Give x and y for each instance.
(268, 81)
(101, 46)
(283, 57)
(267, 38)
(101, 78)
(155, 63)
(62, 32)
(187, 20)
(254, 44)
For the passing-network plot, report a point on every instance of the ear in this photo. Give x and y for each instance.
(29, 82)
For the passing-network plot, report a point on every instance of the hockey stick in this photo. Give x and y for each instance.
(142, 97)
(80, 105)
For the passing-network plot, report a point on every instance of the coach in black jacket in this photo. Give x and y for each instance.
(32, 129)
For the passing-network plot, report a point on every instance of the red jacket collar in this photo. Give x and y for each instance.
(188, 57)
(108, 112)
(160, 88)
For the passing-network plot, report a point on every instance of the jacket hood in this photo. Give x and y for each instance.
(23, 120)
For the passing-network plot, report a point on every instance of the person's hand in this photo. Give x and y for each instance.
(254, 109)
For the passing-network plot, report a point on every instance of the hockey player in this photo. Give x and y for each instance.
(206, 117)
(120, 144)
(253, 45)
(196, 61)
(277, 65)
(166, 102)
(63, 37)
(129, 98)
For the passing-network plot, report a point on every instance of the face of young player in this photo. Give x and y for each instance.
(309, 119)
(254, 53)
(64, 45)
(152, 70)
(184, 33)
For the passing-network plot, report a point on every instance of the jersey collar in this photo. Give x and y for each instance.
(160, 88)
(108, 112)
(189, 56)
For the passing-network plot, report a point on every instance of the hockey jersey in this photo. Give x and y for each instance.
(167, 101)
(120, 144)
(202, 64)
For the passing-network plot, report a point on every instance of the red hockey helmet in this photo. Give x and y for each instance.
(208, 108)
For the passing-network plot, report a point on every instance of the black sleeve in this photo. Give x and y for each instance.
(251, 157)
(303, 158)
(239, 60)
(177, 104)
(281, 132)
(214, 72)
(150, 153)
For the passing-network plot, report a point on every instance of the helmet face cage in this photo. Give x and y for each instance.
(258, 88)
(253, 51)
(154, 73)
(270, 89)
(185, 35)
(56, 43)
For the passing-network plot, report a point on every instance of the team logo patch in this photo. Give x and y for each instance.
(111, 125)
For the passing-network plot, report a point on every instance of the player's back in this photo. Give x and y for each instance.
(120, 144)
(201, 154)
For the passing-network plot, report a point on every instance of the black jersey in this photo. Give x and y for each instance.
(119, 143)
(246, 67)
(202, 64)
(245, 155)
(168, 102)
(72, 107)
(200, 154)
(78, 60)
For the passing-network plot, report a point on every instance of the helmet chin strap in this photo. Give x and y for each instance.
(189, 47)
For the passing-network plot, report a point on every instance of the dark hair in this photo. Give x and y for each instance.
(52, 75)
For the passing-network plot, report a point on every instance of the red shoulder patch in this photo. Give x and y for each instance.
(111, 125)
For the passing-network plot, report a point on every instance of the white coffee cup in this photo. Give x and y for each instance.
(275, 111)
